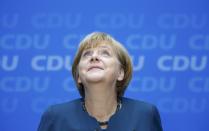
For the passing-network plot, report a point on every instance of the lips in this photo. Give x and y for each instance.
(95, 67)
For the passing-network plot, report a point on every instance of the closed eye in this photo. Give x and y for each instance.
(105, 52)
(87, 53)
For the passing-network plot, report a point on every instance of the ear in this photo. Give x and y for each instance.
(121, 75)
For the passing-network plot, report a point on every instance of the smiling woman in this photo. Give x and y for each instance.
(102, 70)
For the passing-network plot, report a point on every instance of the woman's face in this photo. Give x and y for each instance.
(99, 64)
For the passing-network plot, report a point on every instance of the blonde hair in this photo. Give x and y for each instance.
(95, 39)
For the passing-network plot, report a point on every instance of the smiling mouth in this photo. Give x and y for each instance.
(92, 68)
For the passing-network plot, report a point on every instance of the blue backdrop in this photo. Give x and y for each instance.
(167, 40)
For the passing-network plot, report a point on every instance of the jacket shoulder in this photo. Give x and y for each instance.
(138, 105)
(66, 107)
(56, 114)
(146, 113)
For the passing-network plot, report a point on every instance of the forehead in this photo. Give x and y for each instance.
(102, 44)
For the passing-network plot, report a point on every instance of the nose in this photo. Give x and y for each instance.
(94, 57)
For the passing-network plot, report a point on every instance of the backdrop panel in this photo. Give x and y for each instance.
(168, 43)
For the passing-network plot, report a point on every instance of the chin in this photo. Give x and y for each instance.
(95, 78)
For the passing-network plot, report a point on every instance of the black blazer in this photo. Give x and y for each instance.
(134, 115)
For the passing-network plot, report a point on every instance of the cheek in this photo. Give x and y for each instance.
(80, 68)
(116, 64)
(115, 67)
(81, 65)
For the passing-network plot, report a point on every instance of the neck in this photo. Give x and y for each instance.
(101, 101)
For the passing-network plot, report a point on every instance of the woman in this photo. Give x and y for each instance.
(102, 70)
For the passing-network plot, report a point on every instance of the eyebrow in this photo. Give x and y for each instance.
(100, 47)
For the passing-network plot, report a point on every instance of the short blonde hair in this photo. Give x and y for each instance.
(95, 39)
